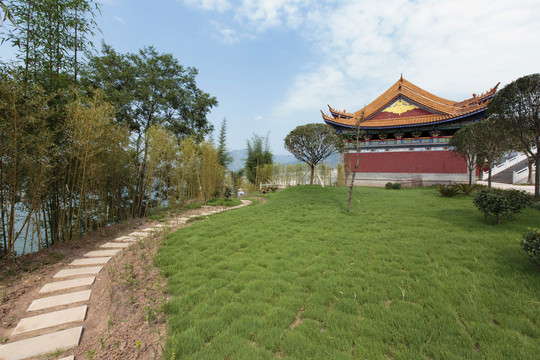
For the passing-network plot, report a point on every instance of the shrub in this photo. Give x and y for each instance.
(227, 192)
(466, 189)
(501, 203)
(447, 190)
(389, 185)
(396, 186)
(531, 244)
(518, 200)
(535, 205)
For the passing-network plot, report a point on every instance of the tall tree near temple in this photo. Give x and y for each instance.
(464, 143)
(150, 88)
(357, 134)
(517, 109)
(312, 143)
(224, 155)
(258, 155)
(491, 143)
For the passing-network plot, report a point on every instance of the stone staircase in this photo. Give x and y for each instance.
(507, 175)
(55, 319)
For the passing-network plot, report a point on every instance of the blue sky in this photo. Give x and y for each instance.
(274, 64)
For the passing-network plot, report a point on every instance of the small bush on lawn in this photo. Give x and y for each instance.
(227, 192)
(531, 244)
(518, 200)
(396, 186)
(466, 189)
(501, 203)
(535, 205)
(447, 190)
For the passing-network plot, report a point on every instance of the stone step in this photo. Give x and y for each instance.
(117, 245)
(23, 349)
(67, 284)
(139, 234)
(101, 253)
(126, 238)
(64, 299)
(91, 261)
(72, 357)
(93, 270)
(50, 319)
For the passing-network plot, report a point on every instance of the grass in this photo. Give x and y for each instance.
(224, 202)
(406, 275)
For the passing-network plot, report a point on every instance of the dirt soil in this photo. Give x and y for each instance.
(124, 319)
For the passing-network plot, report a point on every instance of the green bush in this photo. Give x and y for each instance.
(535, 205)
(227, 192)
(396, 186)
(501, 203)
(389, 185)
(518, 200)
(466, 189)
(531, 244)
(447, 190)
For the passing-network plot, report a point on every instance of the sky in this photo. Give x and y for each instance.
(275, 64)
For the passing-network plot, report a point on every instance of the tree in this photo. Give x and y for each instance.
(49, 35)
(6, 14)
(149, 88)
(464, 143)
(491, 142)
(224, 155)
(312, 143)
(357, 133)
(517, 109)
(258, 155)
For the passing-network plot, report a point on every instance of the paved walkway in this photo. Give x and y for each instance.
(50, 326)
(527, 188)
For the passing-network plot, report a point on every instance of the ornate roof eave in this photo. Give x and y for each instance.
(423, 98)
(337, 112)
(479, 98)
(329, 121)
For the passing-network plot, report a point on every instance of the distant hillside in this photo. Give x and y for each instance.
(239, 159)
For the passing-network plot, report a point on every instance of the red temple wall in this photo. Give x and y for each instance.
(435, 162)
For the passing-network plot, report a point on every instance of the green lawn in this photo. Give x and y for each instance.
(407, 275)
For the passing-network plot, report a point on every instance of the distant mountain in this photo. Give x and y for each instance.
(239, 159)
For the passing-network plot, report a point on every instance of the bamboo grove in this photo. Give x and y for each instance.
(76, 155)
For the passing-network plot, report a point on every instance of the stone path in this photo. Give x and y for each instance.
(51, 327)
(527, 188)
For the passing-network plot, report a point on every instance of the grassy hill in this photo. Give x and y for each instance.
(406, 275)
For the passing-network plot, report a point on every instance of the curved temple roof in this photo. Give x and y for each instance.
(407, 105)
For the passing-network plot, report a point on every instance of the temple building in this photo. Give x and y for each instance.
(405, 135)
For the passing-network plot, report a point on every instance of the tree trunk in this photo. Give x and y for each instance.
(489, 177)
(353, 175)
(537, 176)
(312, 174)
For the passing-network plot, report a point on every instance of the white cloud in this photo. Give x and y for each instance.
(450, 48)
(258, 117)
(226, 34)
(213, 5)
(119, 19)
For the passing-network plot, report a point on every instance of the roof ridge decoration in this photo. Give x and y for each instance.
(405, 104)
